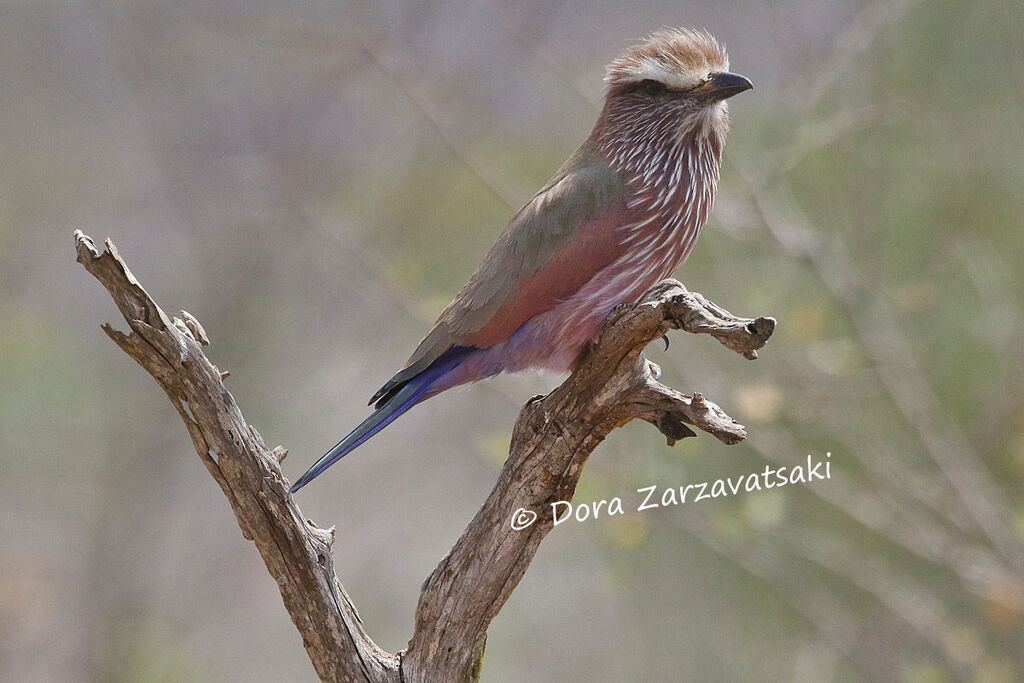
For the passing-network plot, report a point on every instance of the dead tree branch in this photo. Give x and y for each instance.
(551, 441)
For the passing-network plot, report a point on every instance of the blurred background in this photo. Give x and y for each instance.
(315, 180)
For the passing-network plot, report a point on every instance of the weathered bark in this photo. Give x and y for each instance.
(552, 439)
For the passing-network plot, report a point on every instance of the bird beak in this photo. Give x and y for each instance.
(722, 85)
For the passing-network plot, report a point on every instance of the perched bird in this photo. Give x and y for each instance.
(617, 217)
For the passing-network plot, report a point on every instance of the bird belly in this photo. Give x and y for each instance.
(581, 317)
(554, 340)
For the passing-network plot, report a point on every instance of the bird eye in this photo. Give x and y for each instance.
(652, 87)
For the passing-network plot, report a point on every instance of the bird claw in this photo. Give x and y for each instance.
(617, 310)
(664, 338)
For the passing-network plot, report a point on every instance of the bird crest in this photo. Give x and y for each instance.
(680, 58)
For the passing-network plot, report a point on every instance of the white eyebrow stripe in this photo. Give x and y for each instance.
(649, 69)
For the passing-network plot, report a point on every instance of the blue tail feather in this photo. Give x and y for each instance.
(394, 405)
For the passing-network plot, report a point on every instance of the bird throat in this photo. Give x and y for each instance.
(671, 168)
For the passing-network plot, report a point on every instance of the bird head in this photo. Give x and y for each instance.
(675, 82)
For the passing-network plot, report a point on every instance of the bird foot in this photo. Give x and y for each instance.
(617, 310)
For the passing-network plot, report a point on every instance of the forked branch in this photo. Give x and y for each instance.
(551, 441)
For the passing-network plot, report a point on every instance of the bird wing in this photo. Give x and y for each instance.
(560, 239)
